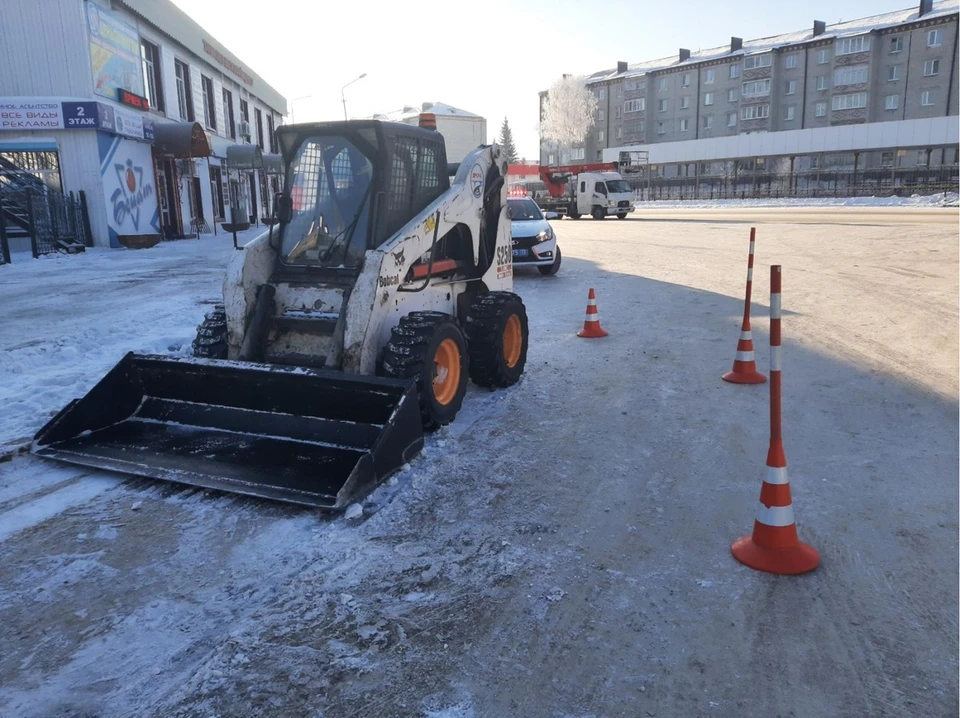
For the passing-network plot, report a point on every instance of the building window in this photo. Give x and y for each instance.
(894, 74)
(619, 90)
(886, 159)
(790, 62)
(851, 75)
(922, 157)
(685, 102)
(731, 119)
(851, 45)
(684, 125)
(896, 44)
(732, 94)
(708, 122)
(634, 105)
(661, 128)
(184, 93)
(601, 136)
(822, 82)
(788, 113)
(685, 80)
(634, 128)
(926, 98)
(755, 112)
(271, 135)
(552, 159)
(577, 153)
(619, 133)
(245, 119)
(734, 72)
(823, 57)
(935, 38)
(619, 111)
(662, 84)
(602, 93)
(931, 68)
(662, 105)
(708, 98)
(892, 102)
(711, 76)
(852, 101)
(599, 155)
(820, 109)
(601, 115)
(209, 113)
(228, 113)
(258, 116)
(756, 88)
(152, 82)
(753, 61)
(791, 87)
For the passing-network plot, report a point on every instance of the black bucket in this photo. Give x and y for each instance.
(307, 436)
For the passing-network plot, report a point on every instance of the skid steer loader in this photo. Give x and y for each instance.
(343, 334)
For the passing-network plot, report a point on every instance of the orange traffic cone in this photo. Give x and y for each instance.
(774, 546)
(744, 365)
(591, 322)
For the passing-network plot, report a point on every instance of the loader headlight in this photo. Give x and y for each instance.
(545, 236)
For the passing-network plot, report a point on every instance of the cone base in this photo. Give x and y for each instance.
(592, 333)
(783, 561)
(736, 377)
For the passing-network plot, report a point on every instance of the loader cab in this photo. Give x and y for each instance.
(349, 187)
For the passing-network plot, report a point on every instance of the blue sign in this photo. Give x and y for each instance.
(148, 133)
(106, 118)
(80, 115)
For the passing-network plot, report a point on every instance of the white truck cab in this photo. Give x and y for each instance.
(601, 194)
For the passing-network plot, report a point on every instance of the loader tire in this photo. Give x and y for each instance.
(431, 348)
(497, 332)
(211, 341)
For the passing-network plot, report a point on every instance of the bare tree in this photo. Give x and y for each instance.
(568, 112)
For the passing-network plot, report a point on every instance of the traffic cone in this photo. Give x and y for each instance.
(744, 365)
(774, 546)
(591, 322)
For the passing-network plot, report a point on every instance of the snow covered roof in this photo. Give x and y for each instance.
(437, 108)
(841, 29)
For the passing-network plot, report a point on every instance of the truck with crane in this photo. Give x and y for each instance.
(575, 190)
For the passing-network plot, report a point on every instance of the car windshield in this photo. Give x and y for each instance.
(618, 186)
(330, 196)
(522, 210)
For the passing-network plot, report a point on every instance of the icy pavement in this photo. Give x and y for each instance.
(948, 199)
(562, 549)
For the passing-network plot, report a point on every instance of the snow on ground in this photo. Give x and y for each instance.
(562, 548)
(949, 199)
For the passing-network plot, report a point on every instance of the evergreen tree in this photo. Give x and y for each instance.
(506, 143)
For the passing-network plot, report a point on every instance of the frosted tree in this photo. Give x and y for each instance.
(506, 142)
(568, 112)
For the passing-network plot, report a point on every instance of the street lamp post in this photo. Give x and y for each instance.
(343, 98)
(293, 119)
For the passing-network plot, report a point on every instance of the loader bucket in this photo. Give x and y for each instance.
(307, 436)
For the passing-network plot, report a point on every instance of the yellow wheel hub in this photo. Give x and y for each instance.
(512, 341)
(446, 371)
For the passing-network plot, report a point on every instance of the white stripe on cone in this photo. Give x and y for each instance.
(592, 318)
(745, 356)
(775, 515)
(776, 475)
(746, 336)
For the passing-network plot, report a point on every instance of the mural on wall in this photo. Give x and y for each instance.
(129, 187)
(115, 52)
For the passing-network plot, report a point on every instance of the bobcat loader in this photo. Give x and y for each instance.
(343, 334)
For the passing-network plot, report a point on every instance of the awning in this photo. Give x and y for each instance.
(273, 164)
(244, 157)
(181, 139)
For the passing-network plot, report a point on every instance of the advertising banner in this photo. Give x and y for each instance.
(115, 51)
(129, 187)
(30, 113)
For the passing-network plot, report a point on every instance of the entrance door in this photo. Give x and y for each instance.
(169, 199)
(197, 200)
(253, 197)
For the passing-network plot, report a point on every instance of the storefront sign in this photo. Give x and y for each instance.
(128, 124)
(30, 114)
(129, 187)
(227, 62)
(125, 97)
(115, 52)
(80, 115)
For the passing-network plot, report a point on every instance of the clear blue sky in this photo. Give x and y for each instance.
(490, 58)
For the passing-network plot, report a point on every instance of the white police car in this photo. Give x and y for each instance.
(534, 243)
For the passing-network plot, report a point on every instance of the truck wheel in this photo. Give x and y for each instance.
(553, 268)
(598, 213)
(211, 340)
(622, 215)
(429, 347)
(497, 331)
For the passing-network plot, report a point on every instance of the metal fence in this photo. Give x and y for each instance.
(53, 222)
(883, 182)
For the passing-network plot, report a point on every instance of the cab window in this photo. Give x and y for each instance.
(601, 188)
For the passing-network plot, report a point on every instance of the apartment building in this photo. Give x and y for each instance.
(134, 103)
(895, 67)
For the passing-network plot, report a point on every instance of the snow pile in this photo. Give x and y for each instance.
(949, 199)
